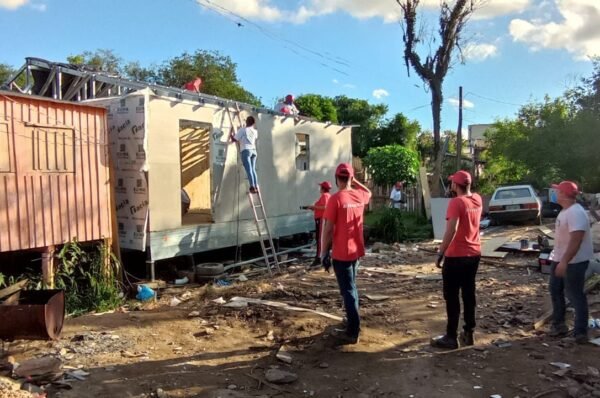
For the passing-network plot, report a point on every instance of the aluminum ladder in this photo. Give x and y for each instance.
(264, 232)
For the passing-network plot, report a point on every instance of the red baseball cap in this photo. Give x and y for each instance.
(461, 177)
(325, 185)
(567, 187)
(344, 170)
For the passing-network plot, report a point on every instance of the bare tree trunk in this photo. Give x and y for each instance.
(438, 156)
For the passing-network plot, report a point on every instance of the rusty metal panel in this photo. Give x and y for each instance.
(54, 177)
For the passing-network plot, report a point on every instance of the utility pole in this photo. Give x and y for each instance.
(459, 131)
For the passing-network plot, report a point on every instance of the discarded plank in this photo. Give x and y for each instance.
(12, 289)
(590, 284)
(376, 297)
(283, 306)
(546, 231)
(488, 248)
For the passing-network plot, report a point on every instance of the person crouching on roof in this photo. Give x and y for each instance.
(246, 137)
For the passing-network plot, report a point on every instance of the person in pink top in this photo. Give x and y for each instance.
(460, 251)
(343, 235)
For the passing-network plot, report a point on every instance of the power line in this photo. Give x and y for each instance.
(234, 17)
(492, 99)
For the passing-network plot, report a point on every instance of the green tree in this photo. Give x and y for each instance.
(360, 112)
(399, 130)
(318, 107)
(6, 72)
(104, 60)
(135, 71)
(218, 74)
(391, 163)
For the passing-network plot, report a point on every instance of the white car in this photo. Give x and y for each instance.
(515, 203)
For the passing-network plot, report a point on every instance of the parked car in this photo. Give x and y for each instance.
(515, 203)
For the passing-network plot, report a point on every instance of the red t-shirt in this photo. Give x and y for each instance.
(345, 210)
(466, 242)
(321, 202)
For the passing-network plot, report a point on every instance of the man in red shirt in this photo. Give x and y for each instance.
(461, 252)
(343, 234)
(319, 209)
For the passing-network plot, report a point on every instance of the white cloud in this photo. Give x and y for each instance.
(494, 8)
(335, 81)
(41, 7)
(380, 93)
(12, 4)
(480, 52)
(466, 103)
(387, 10)
(578, 31)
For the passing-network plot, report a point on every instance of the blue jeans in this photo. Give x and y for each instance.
(573, 284)
(345, 273)
(249, 162)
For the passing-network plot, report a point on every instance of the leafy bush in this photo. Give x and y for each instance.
(392, 163)
(392, 225)
(89, 285)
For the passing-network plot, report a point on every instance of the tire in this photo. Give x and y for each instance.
(209, 269)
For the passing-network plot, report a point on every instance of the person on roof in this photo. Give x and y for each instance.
(193, 85)
(288, 107)
(246, 137)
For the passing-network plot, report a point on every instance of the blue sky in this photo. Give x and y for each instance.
(520, 50)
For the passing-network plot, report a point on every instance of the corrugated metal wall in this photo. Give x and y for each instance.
(54, 176)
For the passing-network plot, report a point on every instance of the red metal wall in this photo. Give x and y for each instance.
(54, 173)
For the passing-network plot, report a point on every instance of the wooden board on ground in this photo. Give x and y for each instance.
(488, 248)
(546, 231)
(12, 289)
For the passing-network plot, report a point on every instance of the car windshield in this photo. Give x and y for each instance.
(513, 193)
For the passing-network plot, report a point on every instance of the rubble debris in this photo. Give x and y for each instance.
(39, 367)
(560, 365)
(283, 355)
(284, 306)
(279, 376)
(376, 297)
(220, 300)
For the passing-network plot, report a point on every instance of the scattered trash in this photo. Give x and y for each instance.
(283, 355)
(242, 278)
(560, 365)
(220, 300)
(183, 281)
(194, 314)
(174, 302)
(278, 376)
(145, 293)
(595, 341)
(502, 343)
(323, 365)
(222, 283)
(594, 323)
(477, 387)
(495, 396)
(376, 297)
(270, 336)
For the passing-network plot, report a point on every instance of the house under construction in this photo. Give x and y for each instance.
(165, 141)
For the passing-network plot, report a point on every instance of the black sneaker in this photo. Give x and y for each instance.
(558, 330)
(466, 338)
(445, 341)
(345, 339)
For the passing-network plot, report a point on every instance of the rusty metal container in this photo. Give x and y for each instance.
(54, 172)
(38, 315)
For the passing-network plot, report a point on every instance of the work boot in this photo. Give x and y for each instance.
(445, 341)
(466, 338)
(558, 331)
(345, 339)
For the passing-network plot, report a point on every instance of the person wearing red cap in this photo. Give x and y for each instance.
(343, 235)
(319, 209)
(288, 107)
(460, 251)
(570, 258)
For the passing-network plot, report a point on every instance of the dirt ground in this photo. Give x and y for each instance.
(200, 348)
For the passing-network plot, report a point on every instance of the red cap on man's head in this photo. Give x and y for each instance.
(344, 170)
(569, 188)
(461, 177)
(289, 98)
(325, 185)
